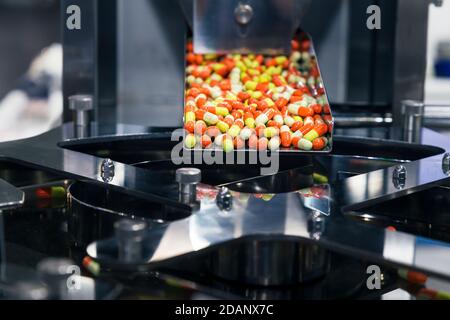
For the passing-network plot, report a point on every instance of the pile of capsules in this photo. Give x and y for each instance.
(257, 102)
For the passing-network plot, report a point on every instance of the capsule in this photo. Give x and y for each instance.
(190, 141)
(274, 143)
(206, 141)
(270, 132)
(227, 144)
(318, 131)
(234, 131)
(210, 118)
(223, 126)
(253, 142)
(264, 117)
(304, 144)
(286, 137)
(245, 133)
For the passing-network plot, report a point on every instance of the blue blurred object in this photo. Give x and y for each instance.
(442, 65)
(442, 68)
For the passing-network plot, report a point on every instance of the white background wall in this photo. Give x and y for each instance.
(437, 90)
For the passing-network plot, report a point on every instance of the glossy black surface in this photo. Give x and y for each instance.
(356, 176)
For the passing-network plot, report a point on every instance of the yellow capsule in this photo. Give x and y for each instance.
(265, 78)
(270, 132)
(272, 86)
(248, 62)
(280, 60)
(222, 111)
(253, 72)
(189, 141)
(269, 102)
(250, 123)
(227, 145)
(210, 56)
(250, 85)
(257, 95)
(223, 126)
(189, 116)
(217, 66)
(297, 118)
(241, 66)
(234, 131)
(277, 70)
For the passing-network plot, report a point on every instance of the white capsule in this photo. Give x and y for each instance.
(304, 144)
(245, 133)
(274, 143)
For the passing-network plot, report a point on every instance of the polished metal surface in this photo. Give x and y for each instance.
(10, 196)
(285, 216)
(253, 26)
(270, 262)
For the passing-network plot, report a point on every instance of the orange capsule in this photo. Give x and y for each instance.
(295, 140)
(260, 130)
(326, 109)
(296, 125)
(190, 57)
(295, 99)
(236, 105)
(306, 128)
(206, 141)
(239, 143)
(229, 120)
(200, 127)
(236, 114)
(240, 123)
(262, 143)
(248, 115)
(281, 102)
(317, 108)
(199, 59)
(298, 93)
(243, 96)
(273, 123)
(318, 119)
(212, 131)
(253, 142)
(276, 79)
(319, 143)
(189, 126)
(199, 114)
(286, 137)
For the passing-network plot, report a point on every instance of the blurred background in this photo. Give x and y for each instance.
(31, 65)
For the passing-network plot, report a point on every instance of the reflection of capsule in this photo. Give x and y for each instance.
(413, 276)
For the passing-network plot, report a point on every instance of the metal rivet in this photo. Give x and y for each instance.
(243, 14)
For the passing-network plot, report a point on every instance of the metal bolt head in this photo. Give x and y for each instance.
(81, 102)
(188, 176)
(243, 14)
(130, 230)
(224, 199)
(399, 177)
(107, 170)
(413, 107)
(446, 164)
